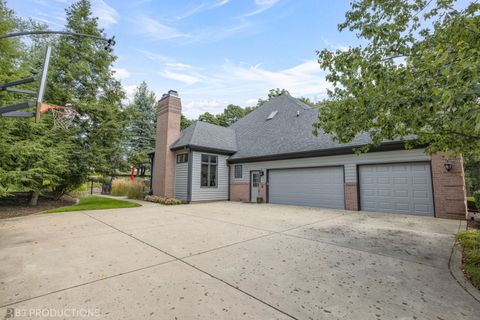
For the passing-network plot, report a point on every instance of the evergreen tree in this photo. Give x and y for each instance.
(142, 125)
(81, 75)
(33, 156)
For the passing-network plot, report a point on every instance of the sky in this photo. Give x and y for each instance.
(213, 52)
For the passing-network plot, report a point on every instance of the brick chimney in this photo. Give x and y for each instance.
(169, 110)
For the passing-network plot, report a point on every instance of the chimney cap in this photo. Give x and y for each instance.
(171, 93)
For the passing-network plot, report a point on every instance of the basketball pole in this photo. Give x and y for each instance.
(43, 81)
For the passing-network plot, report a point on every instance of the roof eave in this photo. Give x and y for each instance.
(204, 149)
(387, 146)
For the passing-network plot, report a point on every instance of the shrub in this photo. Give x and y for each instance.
(476, 197)
(471, 204)
(131, 189)
(165, 201)
(136, 190)
(120, 187)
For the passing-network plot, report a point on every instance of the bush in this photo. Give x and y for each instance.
(476, 197)
(131, 189)
(165, 201)
(471, 204)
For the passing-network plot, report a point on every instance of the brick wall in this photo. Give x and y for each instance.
(448, 188)
(168, 131)
(262, 191)
(351, 196)
(240, 191)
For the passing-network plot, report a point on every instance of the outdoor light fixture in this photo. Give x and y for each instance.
(448, 164)
(262, 173)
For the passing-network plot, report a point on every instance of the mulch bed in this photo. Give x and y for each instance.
(18, 206)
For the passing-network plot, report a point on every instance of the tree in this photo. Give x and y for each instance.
(141, 125)
(33, 156)
(184, 122)
(417, 75)
(210, 118)
(310, 103)
(271, 94)
(230, 114)
(81, 75)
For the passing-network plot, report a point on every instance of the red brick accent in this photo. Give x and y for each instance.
(262, 192)
(351, 196)
(240, 191)
(168, 131)
(449, 188)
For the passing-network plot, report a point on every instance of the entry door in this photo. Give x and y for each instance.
(254, 185)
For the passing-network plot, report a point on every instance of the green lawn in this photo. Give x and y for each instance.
(470, 241)
(96, 203)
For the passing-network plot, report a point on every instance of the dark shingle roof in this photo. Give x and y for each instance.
(285, 133)
(207, 136)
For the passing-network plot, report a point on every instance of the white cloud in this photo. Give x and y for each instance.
(129, 92)
(261, 6)
(120, 73)
(212, 88)
(107, 15)
(178, 76)
(156, 30)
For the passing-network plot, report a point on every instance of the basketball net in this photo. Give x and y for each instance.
(63, 117)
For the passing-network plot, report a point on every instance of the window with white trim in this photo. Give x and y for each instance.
(238, 171)
(209, 168)
(182, 158)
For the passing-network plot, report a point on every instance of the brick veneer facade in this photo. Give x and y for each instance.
(240, 191)
(169, 110)
(351, 196)
(448, 188)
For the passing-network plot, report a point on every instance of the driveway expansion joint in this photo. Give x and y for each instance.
(198, 269)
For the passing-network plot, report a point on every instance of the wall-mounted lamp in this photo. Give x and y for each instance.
(448, 164)
(262, 173)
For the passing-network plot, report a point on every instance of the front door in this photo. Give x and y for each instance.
(254, 185)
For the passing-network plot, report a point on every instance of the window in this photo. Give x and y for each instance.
(208, 171)
(182, 158)
(238, 171)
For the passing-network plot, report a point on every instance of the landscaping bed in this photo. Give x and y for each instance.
(17, 206)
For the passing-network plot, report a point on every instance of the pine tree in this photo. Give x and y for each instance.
(142, 125)
(81, 75)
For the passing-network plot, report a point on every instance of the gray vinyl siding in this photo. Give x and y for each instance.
(181, 180)
(349, 161)
(209, 193)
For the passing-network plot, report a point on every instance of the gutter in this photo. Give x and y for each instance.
(387, 146)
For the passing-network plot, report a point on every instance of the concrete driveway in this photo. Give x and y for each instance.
(230, 261)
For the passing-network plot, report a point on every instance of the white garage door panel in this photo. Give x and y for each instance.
(397, 188)
(313, 187)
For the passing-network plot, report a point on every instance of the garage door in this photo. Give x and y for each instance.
(397, 188)
(313, 187)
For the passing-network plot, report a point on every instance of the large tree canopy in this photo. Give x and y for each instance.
(416, 75)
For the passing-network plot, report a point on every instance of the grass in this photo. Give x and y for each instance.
(131, 189)
(96, 203)
(470, 241)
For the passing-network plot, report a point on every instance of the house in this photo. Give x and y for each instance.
(271, 154)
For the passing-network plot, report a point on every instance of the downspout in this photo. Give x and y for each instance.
(189, 181)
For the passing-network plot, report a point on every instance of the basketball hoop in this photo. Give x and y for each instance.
(63, 117)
